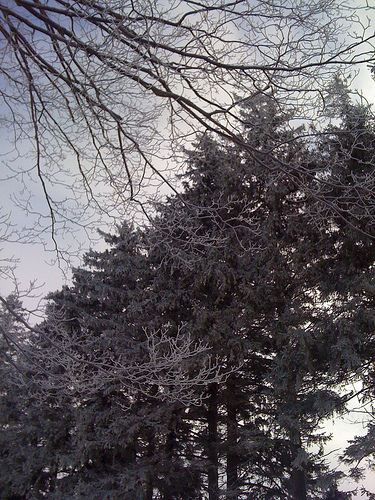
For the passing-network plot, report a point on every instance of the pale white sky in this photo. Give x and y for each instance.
(343, 430)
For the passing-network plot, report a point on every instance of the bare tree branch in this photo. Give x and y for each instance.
(175, 365)
(119, 87)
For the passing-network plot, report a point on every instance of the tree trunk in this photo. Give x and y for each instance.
(232, 438)
(297, 476)
(170, 444)
(150, 453)
(212, 444)
(298, 484)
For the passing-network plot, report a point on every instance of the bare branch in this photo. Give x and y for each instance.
(176, 365)
(122, 86)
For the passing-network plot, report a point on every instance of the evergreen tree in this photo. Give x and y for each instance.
(34, 438)
(284, 304)
(100, 314)
(352, 144)
(125, 439)
(241, 258)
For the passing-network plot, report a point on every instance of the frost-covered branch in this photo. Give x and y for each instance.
(105, 92)
(169, 367)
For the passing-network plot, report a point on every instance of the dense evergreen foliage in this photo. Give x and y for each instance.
(282, 299)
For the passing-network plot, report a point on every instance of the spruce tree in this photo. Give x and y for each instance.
(125, 439)
(283, 301)
(100, 314)
(351, 285)
(35, 432)
(241, 255)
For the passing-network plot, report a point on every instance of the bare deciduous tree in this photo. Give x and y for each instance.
(106, 92)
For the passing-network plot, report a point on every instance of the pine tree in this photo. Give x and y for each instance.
(352, 144)
(198, 240)
(240, 255)
(35, 439)
(125, 439)
(100, 314)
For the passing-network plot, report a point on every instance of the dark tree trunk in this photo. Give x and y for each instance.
(298, 475)
(232, 438)
(167, 493)
(150, 453)
(298, 484)
(212, 444)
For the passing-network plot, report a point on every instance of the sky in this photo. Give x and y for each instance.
(343, 429)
